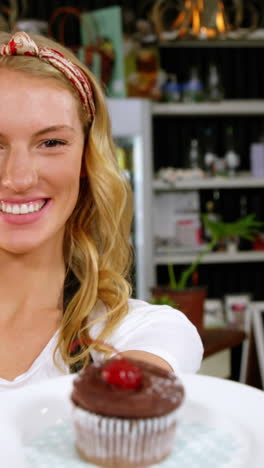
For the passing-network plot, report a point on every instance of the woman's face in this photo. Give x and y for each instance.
(41, 147)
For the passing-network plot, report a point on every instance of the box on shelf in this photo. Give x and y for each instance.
(177, 219)
(257, 159)
(214, 313)
(188, 229)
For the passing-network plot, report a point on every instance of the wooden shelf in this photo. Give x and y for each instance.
(214, 257)
(225, 107)
(212, 43)
(239, 181)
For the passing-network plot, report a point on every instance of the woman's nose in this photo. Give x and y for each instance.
(19, 173)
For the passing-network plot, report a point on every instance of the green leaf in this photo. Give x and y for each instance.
(245, 228)
(163, 300)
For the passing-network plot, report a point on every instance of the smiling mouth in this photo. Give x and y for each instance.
(22, 208)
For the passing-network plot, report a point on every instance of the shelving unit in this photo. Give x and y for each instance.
(241, 181)
(167, 116)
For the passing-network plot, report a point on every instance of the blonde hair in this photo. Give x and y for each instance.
(96, 243)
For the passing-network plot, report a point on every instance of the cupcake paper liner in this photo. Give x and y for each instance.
(115, 442)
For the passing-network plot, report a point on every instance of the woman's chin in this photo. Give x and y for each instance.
(22, 246)
(20, 249)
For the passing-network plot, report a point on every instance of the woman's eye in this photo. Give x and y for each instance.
(53, 143)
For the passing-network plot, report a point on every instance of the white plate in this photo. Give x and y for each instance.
(203, 440)
(40, 433)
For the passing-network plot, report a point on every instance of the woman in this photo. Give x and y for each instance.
(65, 216)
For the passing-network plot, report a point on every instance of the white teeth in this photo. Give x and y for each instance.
(22, 208)
(15, 209)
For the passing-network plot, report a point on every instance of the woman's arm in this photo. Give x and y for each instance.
(157, 334)
(148, 357)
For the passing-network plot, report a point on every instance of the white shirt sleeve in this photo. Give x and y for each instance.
(160, 330)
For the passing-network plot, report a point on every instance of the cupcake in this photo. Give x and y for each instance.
(125, 413)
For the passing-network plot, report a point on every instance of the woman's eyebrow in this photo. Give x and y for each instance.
(49, 129)
(54, 128)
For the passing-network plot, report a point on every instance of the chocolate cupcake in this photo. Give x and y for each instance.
(125, 413)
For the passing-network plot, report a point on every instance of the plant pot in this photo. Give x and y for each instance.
(190, 301)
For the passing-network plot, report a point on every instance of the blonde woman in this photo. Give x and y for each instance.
(65, 216)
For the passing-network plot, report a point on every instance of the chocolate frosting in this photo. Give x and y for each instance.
(159, 394)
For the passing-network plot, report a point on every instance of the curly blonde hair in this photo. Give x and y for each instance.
(97, 235)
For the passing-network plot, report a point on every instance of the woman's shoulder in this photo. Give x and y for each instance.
(141, 307)
(141, 310)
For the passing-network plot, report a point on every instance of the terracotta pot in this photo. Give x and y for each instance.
(190, 301)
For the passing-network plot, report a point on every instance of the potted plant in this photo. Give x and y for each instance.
(190, 300)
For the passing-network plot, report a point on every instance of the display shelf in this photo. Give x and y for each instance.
(243, 180)
(171, 117)
(225, 107)
(212, 43)
(214, 257)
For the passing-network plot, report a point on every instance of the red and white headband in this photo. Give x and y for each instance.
(22, 44)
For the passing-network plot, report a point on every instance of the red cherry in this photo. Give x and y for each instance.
(122, 373)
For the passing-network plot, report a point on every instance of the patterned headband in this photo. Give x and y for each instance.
(22, 44)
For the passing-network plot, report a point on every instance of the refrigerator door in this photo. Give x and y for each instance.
(131, 120)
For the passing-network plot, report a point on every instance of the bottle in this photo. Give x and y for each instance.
(244, 244)
(193, 89)
(147, 65)
(171, 89)
(194, 157)
(212, 215)
(214, 89)
(209, 157)
(231, 156)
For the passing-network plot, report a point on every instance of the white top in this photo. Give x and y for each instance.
(160, 330)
